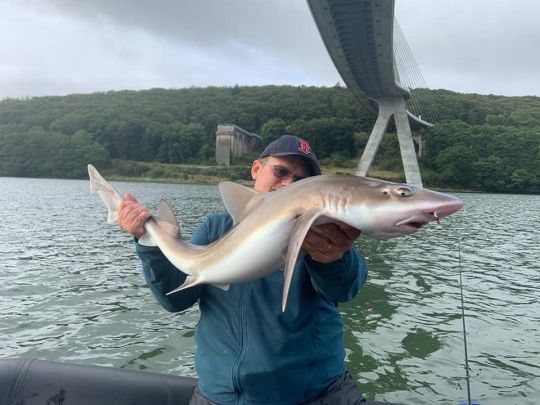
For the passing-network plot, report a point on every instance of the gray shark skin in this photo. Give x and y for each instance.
(269, 228)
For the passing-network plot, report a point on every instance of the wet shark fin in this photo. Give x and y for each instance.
(191, 281)
(298, 234)
(166, 220)
(238, 199)
(108, 194)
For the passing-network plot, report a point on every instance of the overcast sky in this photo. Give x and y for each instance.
(58, 47)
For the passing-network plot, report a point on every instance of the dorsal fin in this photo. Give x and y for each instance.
(238, 199)
(166, 218)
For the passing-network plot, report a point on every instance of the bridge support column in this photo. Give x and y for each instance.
(388, 108)
(231, 141)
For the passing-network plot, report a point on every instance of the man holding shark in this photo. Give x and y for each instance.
(248, 349)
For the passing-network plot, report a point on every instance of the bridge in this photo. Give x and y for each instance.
(371, 54)
(231, 140)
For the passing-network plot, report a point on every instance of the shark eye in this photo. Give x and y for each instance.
(404, 191)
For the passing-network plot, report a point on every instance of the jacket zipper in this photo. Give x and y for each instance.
(243, 336)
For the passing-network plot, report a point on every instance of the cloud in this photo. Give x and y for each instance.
(277, 28)
(475, 46)
(66, 46)
(101, 45)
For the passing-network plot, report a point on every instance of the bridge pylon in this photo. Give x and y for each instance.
(388, 108)
(379, 70)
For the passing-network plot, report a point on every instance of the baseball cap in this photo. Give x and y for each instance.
(290, 145)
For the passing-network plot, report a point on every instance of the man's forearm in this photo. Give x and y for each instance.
(339, 281)
(162, 277)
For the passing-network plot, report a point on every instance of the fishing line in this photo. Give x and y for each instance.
(467, 376)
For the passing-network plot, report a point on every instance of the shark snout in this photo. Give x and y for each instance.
(434, 212)
(447, 208)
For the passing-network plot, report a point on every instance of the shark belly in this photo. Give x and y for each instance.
(258, 254)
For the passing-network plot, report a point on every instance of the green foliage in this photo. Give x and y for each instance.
(179, 173)
(389, 156)
(272, 129)
(482, 142)
(484, 157)
(327, 135)
(452, 164)
(37, 153)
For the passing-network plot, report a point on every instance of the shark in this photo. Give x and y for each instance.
(269, 227)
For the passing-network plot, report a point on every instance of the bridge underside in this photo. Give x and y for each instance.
(359, 36)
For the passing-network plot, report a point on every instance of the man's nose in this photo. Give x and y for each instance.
(287, 180)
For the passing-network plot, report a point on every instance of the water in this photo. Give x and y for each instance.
(71, 290)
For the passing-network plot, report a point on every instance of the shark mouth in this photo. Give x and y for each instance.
(410, 226)
(413, 224)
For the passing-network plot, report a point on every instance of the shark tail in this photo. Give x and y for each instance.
(108, 194)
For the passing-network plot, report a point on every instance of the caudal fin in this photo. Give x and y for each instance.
(108, 194)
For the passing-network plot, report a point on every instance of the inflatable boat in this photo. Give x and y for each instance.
(42, 382)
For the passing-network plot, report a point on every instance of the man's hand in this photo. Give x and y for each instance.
(330, 241)
(132, 216)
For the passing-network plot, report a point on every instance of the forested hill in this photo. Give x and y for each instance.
(481, 142)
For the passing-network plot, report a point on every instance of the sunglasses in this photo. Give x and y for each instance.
(281, 172)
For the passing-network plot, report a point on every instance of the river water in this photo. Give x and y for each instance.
(71, 290)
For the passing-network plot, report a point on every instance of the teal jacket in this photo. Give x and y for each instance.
(248, 350)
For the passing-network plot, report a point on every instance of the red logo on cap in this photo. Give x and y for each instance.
(304, 147)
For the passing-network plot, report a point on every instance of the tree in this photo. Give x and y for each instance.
(492, 139)
(272, 129)
(326, 135)
(489, 173)
(455, 166)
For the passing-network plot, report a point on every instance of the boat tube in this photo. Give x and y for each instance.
(43, 382)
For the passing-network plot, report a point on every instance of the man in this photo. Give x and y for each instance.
(248, 350)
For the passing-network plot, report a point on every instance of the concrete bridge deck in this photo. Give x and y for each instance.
(359, 36)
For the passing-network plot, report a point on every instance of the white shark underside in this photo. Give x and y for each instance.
(269, 228)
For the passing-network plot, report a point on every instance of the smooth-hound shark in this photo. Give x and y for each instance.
(269, 227)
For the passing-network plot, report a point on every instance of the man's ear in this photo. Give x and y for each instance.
(256, 166)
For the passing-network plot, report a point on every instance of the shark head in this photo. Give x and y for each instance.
(385, 210)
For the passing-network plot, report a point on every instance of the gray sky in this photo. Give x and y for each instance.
(57, 47)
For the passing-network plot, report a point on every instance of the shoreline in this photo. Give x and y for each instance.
(197, 174)
(249, 183)
(213, 175)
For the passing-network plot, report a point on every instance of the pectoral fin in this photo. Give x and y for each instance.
(298, 234)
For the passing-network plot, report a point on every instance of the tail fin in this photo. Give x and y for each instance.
(108, 194)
